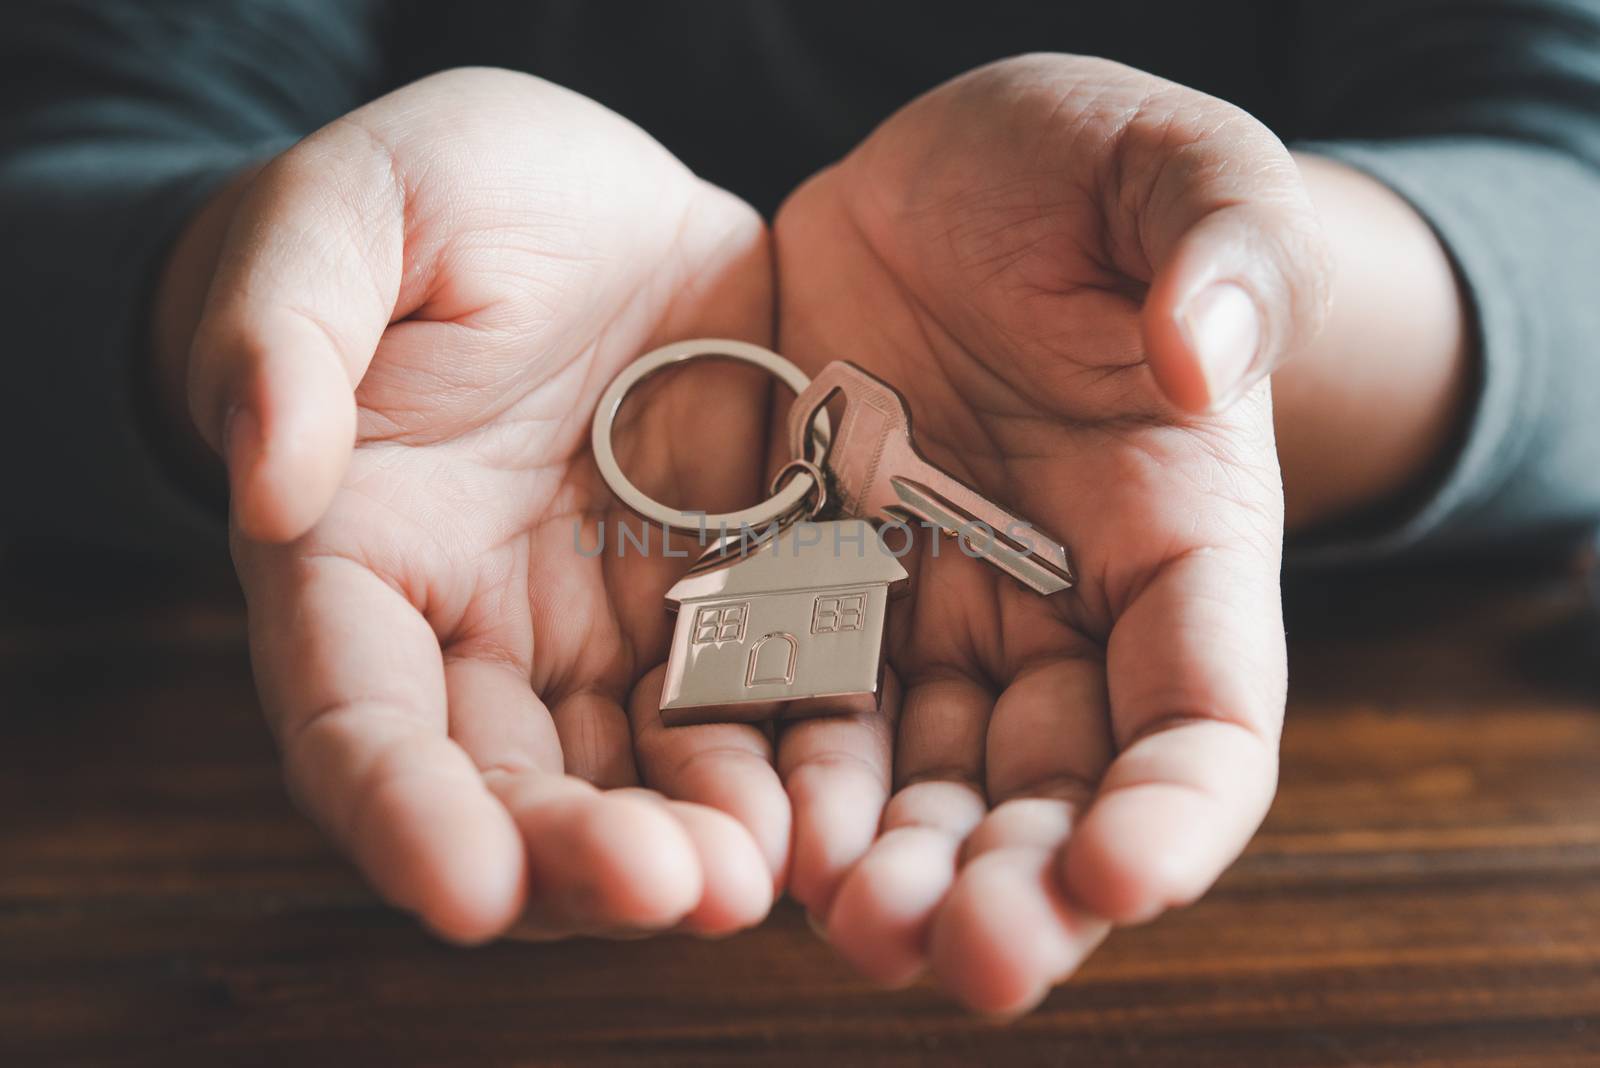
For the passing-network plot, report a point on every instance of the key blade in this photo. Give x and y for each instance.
(1042, 566)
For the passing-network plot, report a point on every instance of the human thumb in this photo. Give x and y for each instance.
(306, 283)
(1242, 270)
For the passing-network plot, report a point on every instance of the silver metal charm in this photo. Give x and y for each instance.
(793, 628)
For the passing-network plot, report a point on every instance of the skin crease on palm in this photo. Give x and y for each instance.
(466, 704)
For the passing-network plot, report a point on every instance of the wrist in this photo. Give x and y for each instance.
(1369, 412)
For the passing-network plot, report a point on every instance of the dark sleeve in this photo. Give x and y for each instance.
(1485, 116)
(120, 116)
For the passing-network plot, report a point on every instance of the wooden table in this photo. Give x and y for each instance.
(1426, 891)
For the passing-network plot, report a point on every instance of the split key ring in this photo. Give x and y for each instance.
(798, 481)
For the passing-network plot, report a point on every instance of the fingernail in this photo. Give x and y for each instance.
(1223, 328)
(818, 927)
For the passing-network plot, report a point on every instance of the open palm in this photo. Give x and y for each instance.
(445, 660)
(1011, 251)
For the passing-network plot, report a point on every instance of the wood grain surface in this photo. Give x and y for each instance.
(1425, 892)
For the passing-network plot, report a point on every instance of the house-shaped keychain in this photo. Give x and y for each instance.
(792, 628)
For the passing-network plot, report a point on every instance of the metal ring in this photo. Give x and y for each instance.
(775, 507)
(804, 467)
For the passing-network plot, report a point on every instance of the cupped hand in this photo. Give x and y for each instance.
(1069, 268)
(415, 312)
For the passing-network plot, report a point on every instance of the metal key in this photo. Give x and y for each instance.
(877, 472)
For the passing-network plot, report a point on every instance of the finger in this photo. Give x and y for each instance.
(737, 885)
(596, 739)
(837, 771)
(1197, 674)
(881, 915)
(351, 679)
(1243, 271)
(599, 861)
(503, 725)
(1050, 734)
(308, 278)
(725, 766)
(497, 718)
(1006, 933)
(1037, 823)
(943, 722)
